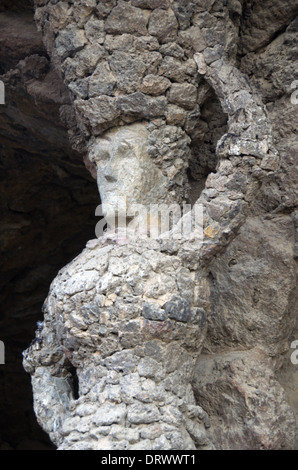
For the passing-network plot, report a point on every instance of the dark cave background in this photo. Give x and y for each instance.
(47, 204)
(48, 198)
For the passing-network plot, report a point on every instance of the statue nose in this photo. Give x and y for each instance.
(110, 178)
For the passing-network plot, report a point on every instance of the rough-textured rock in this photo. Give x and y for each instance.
(119, 314)
(163, 25)
(276, 17)
(120, 20)
(211, 83)
(261, 314)
(206, 37)
(153, 85)
(245, 403)
(47, 207)
(184, 95)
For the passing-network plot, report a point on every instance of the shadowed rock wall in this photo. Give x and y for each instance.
(47, 206)
(191, 72)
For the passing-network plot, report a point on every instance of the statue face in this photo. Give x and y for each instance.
(126, 175)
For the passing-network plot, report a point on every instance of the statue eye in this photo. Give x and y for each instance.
(99, 155)
(124, 147)
(103, 156)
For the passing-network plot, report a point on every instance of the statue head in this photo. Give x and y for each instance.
(126, 175)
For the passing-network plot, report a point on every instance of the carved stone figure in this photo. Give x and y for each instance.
(130, 318)
(130, 321)
(127, 178)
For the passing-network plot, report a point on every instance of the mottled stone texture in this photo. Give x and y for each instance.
(127, 318)
(47, 201)
(244, 401)
(203, 80)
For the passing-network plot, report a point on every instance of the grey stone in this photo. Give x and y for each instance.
(172, 49)
(94, 31)
(122, 357)
(102, 82)
(98, 111)
(70, 41)
(175, 115)
(147, 43)
(84, 62)
(178, 309)
(163, 25)
(152, 4)
(151, 369)
(109, 414)
(124, 151)
(120, 20)
(192, 40)
(79, 88)
(119, 433)
(141, 105)
(105, 7)
(128, 70)
(121, 362)
(153, 85)
(152, 312)
(142, 414)
(184, 11)
(184, 95)
(248, 373)
(177, 70)
(123, 42)
(212, 54)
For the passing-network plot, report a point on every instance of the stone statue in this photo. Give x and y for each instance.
(124, 169)
(128, 321)
(129, 181)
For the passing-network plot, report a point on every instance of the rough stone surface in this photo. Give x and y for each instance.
(243, 383)
(118, 314)
(46, 194)
(210, 84)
